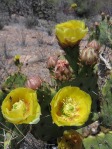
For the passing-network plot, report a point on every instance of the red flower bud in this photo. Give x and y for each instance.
(34, 82)
(108, 17)
(62, 70)
(94, 44)
(61, 65)
(96, 24)
(52, 60)
(89, 56)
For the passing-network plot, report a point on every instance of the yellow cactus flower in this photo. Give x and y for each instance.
(16, 57)
(70, 107)
(17, 60)
(21, 106)
(74, 5)
(69, 33)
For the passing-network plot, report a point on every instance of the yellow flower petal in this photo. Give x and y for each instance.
(21, 106)
(70, 107)
(16, 57)
(69, 33)
(74, 5)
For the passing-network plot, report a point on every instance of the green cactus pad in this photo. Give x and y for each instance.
(100, 141)
(87, 81)
(105, 33)
(45, 129)
(106, 103)
(14, 81)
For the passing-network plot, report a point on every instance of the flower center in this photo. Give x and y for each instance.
(19, 105)
(69, 107)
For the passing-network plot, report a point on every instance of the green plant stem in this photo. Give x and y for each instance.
(72, 55)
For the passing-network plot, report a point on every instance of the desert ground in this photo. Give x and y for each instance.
(33, 45)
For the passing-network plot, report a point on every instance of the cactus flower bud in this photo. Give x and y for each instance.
(51, 62)
(97, 30)
(61, 65)
(17, 60)
(103, 16)
(94, 44)
(110, 23)
(34, 82)
(62, 70)
(89, 56)
(71, 139)
(108, 18)
(96, 24)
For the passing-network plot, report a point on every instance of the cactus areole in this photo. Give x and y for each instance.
(70, 107)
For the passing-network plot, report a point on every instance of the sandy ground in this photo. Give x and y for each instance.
(33, 45)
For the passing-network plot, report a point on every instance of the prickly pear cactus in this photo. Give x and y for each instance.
(103, 141)
(103, 30)
(105, 85)
(70, 72)
(84, 78)
(106, 102)
(14, 81)
(106, 33)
